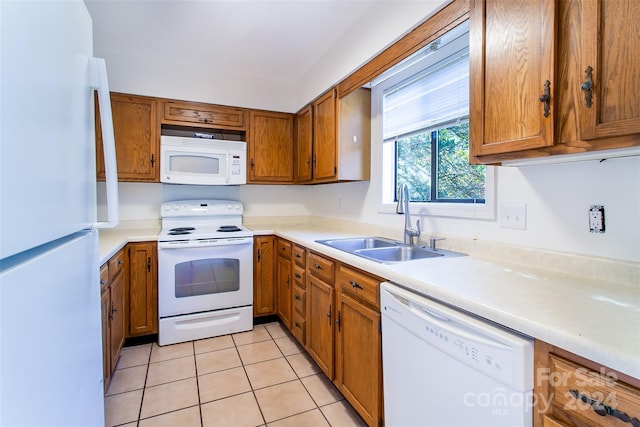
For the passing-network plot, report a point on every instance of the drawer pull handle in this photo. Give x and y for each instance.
(296, 296)
(119, 263)
(298, 276)
(298, 256)
(318, 266)
(355, 284)
(604, 410)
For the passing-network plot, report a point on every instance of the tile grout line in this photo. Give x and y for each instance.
(193, 347)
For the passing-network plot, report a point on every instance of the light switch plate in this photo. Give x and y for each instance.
(514, 216)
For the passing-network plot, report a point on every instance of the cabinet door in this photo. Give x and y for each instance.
(116, 325)
(143, 289)
(270, 147)
(106, 339)
(203, 115)
(324, 138)
(284, 290)
(263, 276)
(320, 318)
(304, 144)
(610, 35)
(359, 357)
(136, 131)
(512, 56)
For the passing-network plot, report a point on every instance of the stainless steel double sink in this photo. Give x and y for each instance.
(384, 250)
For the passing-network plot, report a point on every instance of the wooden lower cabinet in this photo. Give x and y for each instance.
(117, 300)
(142, 294)
(333, 310)
(112, 282)
(567, 387)
(264, 274)
(358, 357)
(320, 321)
(284, 282)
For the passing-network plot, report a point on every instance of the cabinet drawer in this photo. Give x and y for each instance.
(204, 114)
(116, 265)
(321, 267)
(104, 274)
(358, 284)
(299, 301)
(284, 248)
(299, 277)
(574, 388)
(299, 256)
(299, 328)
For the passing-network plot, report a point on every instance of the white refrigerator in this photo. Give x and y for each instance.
(50, 317)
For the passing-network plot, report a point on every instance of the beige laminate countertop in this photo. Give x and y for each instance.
(112, 240)
(594, 319)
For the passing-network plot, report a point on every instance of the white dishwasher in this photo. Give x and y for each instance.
(443, 367)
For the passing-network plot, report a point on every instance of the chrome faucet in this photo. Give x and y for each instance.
(403, 208)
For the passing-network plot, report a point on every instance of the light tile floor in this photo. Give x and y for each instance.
(257, 378)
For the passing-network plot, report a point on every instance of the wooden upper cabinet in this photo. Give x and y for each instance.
(325, 162)
(610, 35)
(512, 57)
(304, 145)
(333, 138)
(203, 115)
(137, 136)
(270, 147)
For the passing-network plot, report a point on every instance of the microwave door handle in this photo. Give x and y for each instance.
(228, 174)
(98, 81)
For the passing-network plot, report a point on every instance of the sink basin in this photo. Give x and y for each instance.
(398, 253)
(384, 250)
(357, 243)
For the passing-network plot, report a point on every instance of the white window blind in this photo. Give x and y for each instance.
(435, 98)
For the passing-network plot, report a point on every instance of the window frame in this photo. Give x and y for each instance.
(410, 67)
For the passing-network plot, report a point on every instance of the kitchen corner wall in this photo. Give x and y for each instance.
(557, 196)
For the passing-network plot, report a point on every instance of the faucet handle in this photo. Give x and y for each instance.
(418, 228)
(432, 242)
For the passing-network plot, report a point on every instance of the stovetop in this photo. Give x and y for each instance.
(202, 219)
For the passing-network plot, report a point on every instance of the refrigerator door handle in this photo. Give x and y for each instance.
(98, 81)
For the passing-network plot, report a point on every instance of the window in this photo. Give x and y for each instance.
(423, 105)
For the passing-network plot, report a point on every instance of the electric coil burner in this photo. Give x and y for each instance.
(205, 270)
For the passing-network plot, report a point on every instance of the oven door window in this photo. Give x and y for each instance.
(194, 164)
(207, 276)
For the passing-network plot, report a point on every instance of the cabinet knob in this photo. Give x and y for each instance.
(587, 87)
(545, 98)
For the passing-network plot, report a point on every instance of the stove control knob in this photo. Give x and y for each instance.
(229, 206)
(175, 206)
(166, 207)
(237, 206)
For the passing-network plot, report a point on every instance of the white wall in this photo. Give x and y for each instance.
(386, 22)
(558, 198)
(141, 201)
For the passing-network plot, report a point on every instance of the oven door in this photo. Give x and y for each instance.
(205, 277)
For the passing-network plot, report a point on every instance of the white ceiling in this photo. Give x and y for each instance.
(275, 39)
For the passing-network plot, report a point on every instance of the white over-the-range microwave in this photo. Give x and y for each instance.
(202, 161)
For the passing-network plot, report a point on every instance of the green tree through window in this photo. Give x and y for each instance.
(436, 167)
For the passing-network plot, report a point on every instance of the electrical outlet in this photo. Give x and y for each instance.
(596, 219)
(514, 216)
